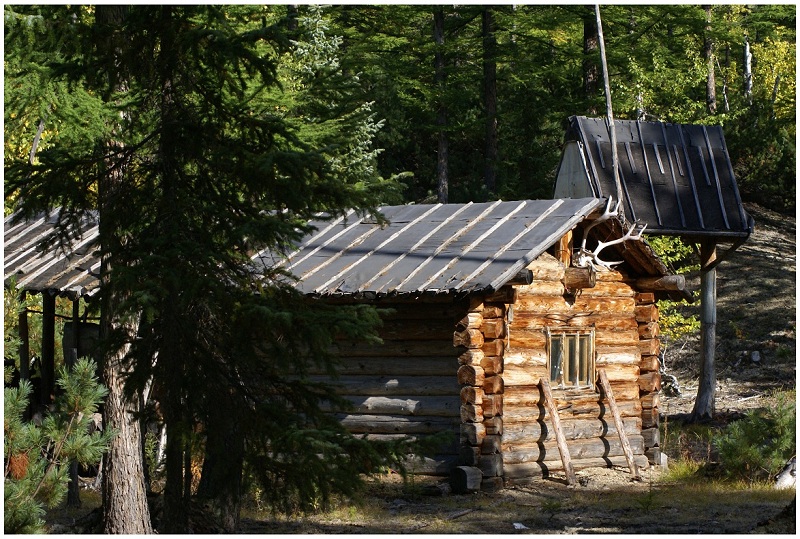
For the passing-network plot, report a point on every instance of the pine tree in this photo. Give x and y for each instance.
(37, 458)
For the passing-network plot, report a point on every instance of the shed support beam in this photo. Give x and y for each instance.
(70, 358)
(24, 347)
(48, 348)
(704, 402)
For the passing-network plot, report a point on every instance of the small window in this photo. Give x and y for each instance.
(570, 358)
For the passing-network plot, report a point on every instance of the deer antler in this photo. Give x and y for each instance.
(591, 258)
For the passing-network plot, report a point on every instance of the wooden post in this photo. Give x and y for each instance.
(704, 402)
(70, 358)
(563, 449)
(623, 438)
(24, 349)
(48, 348)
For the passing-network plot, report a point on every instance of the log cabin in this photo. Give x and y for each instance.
(503, 319)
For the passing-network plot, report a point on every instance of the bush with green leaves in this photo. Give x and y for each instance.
(757, 447)
(37, 457)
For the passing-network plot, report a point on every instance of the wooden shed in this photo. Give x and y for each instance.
(493, 307)
(675, 179)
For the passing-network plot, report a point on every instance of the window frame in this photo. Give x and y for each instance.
(561, 381)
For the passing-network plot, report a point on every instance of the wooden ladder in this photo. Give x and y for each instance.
(623, 437)
(563, 449)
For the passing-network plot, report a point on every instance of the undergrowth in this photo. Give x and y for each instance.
(744, 452)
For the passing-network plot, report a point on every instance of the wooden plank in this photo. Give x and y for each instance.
(492, 405)
(493, 384)
(469, 357)
(490, 311)
(493, 347)
(472, 395)
(470, 321)
(618, 422)
(650, 347)
(387, 424)
(469, 338)
(583, 303)
(578, 449)
(465, 479)
(649, 330)
(386, 386)
(416, 366)
(472, 433)
(649, 364)
(470, 375)
(650, 382)
(492, 365)
(493, 328)
(520, 473)
(528, 432)
(405, 405)
(507, 294)
(562, 443)
(646, 313)
(645, 297)
(580, 278)
(600, 321)
(471, 413)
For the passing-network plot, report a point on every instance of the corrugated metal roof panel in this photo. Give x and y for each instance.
(71, 269)
(676, 178)
(440, 248)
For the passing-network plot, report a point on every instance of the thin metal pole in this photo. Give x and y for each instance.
(609, 112)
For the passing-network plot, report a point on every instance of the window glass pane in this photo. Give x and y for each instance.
(570, 356)
(555, 358)
(584, 365)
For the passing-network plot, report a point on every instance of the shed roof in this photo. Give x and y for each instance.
(71, 268)
(440, 248)
(677, 178)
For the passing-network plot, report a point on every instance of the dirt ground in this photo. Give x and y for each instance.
(756, 354)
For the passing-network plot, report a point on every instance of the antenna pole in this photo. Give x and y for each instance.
(609, 112)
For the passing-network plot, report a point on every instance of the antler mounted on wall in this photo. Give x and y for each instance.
(591, 258)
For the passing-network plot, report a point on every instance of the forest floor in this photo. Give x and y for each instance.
(756, 355)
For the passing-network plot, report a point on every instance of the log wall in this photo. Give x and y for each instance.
(650, 377)
(406, 386)
(611, 308)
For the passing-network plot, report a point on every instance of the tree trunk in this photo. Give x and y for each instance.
(748, 72)
(221, 480)
(708, 55)
(704, 402)
(591, 73)
(124, 492)
(441, 114)
(125, 509)
(490, 100)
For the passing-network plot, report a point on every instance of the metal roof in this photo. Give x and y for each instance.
(676, 178)
(71, 269)
(441, 248)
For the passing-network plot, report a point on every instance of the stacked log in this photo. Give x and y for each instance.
(404, 387)
(650, 378)
(479, 336)
(605, 305)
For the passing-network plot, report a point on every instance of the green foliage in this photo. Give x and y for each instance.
(674, 323)
(37, 457)
(757, 447)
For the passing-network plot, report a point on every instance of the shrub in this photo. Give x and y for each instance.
(756, 448)
(37, 457)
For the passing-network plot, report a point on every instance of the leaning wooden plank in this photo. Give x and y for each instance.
(618, 422)
(562, 443)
